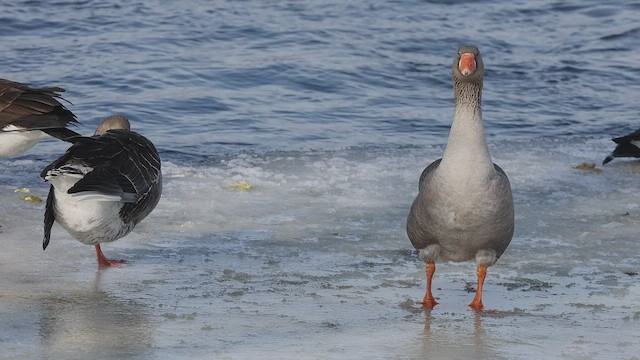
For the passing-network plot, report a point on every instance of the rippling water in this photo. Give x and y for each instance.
(226, 76)
(330, 110)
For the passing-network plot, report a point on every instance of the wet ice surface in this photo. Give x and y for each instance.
(314, 262)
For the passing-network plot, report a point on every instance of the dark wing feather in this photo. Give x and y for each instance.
(624, 147)
(627, 138)
(102, 180)
(101, 154)
(49, 218)
(143, 170)
(135, 212)
(32, 108)
(59, 162)
(61, 133)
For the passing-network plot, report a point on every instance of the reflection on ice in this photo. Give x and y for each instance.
(467, 341)
(75, 321)
(92, 324)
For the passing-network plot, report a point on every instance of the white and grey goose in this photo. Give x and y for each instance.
(103, 186)
(28, 115)
(464, 207)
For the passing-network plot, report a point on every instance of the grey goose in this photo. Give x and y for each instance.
(464, 207)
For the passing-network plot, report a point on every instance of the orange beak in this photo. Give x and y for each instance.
(467, 64)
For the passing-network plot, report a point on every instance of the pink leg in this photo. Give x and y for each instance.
(104, 262)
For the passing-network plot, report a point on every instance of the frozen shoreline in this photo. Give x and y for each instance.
(313, 262)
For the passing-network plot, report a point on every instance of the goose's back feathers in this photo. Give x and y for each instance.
(119, 169)
(119, 163)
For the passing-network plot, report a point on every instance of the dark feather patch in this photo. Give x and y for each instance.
(624, 147)
(124, 163)
(32, 108)
(627, 138)
(49, 218)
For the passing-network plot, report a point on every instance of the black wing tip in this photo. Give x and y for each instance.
(62, 134)
(608, 159)
(44, 171)
(49, 218)
(65, 114)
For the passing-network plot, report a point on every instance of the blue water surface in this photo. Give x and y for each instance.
(216, 77)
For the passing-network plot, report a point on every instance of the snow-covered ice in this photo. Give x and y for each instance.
(313, 262)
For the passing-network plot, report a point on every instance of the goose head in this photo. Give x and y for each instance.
(112, 122)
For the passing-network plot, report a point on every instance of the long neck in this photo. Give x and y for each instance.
(467, 151)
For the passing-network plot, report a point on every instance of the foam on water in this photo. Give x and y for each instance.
(313, 262)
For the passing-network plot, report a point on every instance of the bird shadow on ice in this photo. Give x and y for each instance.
(93, 324)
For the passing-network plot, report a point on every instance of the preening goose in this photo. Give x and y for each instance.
(103, 186)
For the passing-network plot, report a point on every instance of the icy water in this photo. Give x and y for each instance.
(330, 110)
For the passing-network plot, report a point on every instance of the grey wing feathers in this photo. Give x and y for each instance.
(434, 165)
(499, 169)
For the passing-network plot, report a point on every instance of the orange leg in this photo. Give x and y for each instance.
(476, 304)
(429, 301)
(104, 262)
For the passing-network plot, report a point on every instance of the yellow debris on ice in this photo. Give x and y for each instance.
(240, 185)
(32, 198)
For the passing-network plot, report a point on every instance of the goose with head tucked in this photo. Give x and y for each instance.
(464, 207)
(103, 186)
(28, 115)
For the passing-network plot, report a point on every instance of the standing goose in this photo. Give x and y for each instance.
(103, 186)
(464, 207)
(627, 146)
(28, 115)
